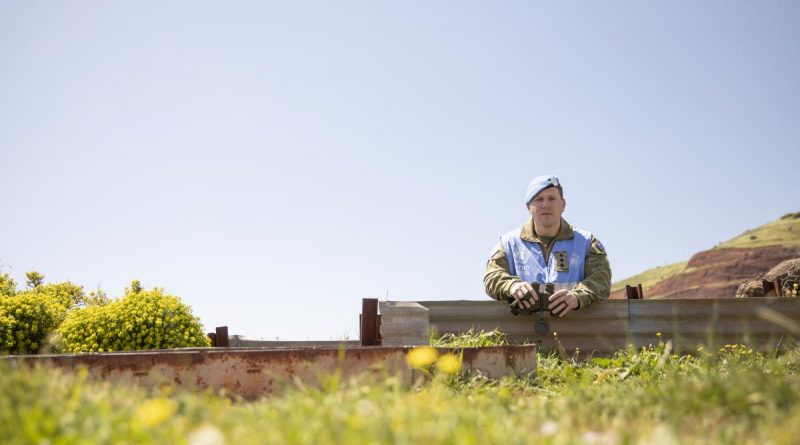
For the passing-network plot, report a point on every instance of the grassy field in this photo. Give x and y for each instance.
(733, 395)
(783, 232)
(651, 277)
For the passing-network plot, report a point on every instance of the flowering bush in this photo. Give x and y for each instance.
(8, 287)
(139, 320)
(66, 294)
(26, 319)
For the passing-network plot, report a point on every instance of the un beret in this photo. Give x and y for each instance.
(538, 184)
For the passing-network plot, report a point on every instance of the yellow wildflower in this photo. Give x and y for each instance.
(449, 364)
(421, 357)
(155, 411)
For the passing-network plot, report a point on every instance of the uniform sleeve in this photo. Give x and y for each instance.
(597, 270)
(497, 280)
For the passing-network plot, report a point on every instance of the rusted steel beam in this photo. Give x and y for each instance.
(240, 341)
(369, 322)
(634, 292)
(222, 337)
(253, 373)
(768, 286)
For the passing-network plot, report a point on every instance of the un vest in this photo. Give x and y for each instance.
(564, 267)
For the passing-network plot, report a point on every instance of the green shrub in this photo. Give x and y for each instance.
(8, 286)
(34, 279)
(26, 319)
(68, 295)
(140, 320)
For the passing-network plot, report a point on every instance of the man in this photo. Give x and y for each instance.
(546, 249)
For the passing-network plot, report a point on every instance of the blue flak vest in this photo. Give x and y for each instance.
(526, 259)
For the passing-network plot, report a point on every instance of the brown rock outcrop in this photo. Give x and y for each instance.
(717, 273)
(788, 272)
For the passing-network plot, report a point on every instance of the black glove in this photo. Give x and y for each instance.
(515, 304)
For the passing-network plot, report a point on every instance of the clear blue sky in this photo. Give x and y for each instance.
(273, 163)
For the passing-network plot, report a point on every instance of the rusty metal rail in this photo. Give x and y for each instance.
(253, 373)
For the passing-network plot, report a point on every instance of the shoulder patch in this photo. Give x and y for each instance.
(598, 247)
(497, 253)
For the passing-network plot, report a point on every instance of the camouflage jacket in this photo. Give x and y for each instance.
(596, 284)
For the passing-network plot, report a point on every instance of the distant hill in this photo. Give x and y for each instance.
(716, 273)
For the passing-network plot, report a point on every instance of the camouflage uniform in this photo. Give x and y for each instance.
(596, 284)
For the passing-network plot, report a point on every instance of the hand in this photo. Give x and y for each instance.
(518, 291)
(562, 301)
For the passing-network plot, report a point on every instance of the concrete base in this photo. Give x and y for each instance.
(404, 323)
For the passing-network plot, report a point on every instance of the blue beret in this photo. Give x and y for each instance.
(538, 184)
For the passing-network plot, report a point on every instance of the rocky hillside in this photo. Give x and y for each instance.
(716, 273)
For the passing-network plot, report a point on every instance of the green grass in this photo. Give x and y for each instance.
(783, 232)
(469, 339)
(651, 277)
(733, 395)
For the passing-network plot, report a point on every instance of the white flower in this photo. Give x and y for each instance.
(549, 428)
(206, 435)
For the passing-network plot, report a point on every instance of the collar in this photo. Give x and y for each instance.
(529, 232)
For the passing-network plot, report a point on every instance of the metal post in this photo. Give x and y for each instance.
(778, 288)
(369, 322)
(767, 286)
(634, 292)
(222, 337)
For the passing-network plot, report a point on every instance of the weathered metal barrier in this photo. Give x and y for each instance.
(254, 368)
(256, 372)
(606, 326)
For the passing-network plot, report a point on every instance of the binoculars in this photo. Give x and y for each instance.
(543, 290)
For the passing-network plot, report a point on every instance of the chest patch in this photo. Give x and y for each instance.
(562, 261)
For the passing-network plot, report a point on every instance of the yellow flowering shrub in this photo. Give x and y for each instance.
(8, 287)
(26, 319)
(139, 320)
(68, 295)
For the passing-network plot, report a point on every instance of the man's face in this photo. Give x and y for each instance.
(546, 208)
